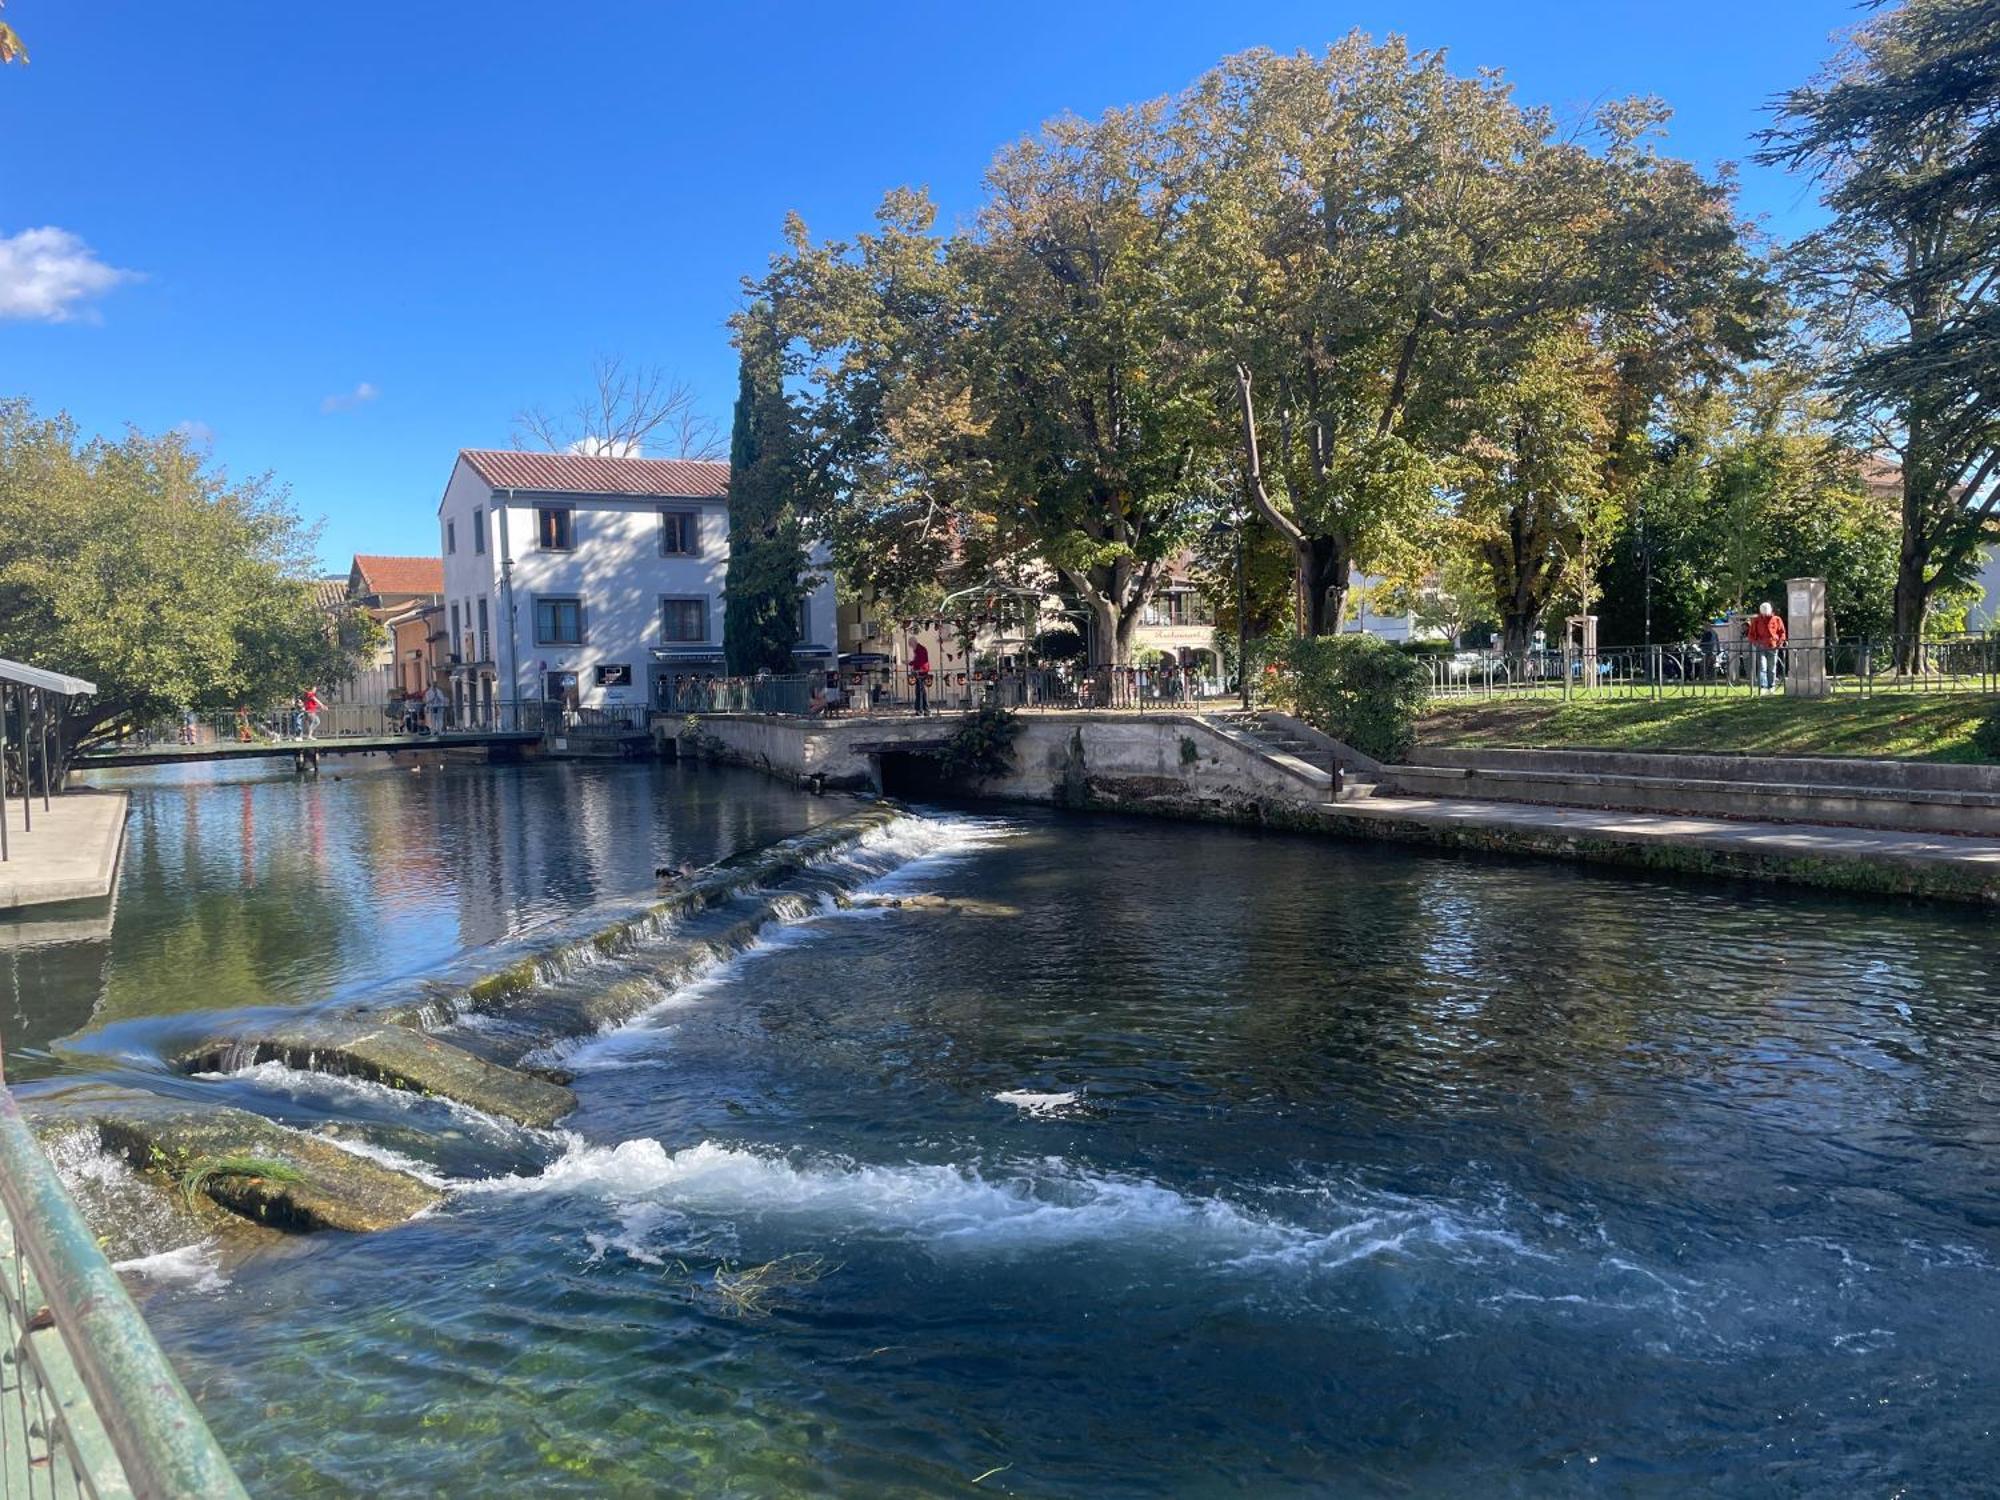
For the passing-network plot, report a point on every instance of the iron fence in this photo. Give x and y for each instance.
(89, 1405)
(1950, 664)
(890, 691)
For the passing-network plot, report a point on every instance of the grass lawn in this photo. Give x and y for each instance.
(1906, 726)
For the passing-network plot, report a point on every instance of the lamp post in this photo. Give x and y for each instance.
(1242, 620)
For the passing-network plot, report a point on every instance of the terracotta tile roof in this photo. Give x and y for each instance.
(329, 593)
(580, 474)
(400, 575)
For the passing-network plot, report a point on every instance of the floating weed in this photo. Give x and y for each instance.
(196, 1175)
(753, 1291)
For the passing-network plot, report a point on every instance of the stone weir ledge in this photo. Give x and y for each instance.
(213, 1164)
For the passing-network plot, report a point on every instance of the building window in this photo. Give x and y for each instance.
(1179, 607)
(684, 619)
(806, 618)
(555, 528)
(450, 536)
(484, 653)
(558, 622)
(479, 531)
(680, 533)
(454, 632)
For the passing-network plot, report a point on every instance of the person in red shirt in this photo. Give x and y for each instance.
(310, 703)
(1767, 637)
(920, 670)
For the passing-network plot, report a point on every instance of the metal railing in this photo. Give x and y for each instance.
(89, 1405)
(1952, 664)
(888, 691)
(342, 721)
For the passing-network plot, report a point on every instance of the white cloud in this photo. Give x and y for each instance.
(198, 434)
(597, 447)
(361, 395)
(48, 275)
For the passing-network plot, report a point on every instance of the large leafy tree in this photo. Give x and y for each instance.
(768, 577)
(140, 567)
(1022, 397)
(1903, 132)
(1362, 211)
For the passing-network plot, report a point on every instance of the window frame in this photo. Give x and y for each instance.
(479, 531)
(450, 537)
(690, 518)
(542, 544)
(573, 600)
(700, 600)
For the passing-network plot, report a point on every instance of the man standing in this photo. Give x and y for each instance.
(1767, 637)
(434, 708)
(920, 669)
(310, 703)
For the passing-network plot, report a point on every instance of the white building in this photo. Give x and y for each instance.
(595, 581)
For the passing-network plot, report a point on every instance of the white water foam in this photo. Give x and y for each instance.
(1038, 1104)
(197, 1266)
(886, 856)
(1042, 1206)
(382, 1156)
(338, 1090)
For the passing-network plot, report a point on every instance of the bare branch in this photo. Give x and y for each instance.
(1254, 471)
(628, 412)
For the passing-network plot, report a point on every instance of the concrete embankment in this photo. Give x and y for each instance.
(1185, 766)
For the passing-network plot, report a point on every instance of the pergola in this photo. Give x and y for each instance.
(30, 692)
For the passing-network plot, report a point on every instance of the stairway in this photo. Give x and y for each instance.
(1274, 740)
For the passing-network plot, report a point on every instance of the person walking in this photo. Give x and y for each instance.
(1767, 638)
(920, 671)
(310, 703)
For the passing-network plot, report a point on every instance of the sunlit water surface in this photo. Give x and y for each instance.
(1158, 1159)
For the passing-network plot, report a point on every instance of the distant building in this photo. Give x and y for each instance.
(591, 580)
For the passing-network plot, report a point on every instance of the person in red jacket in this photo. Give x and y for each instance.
(1767, 637)
(310, 703)
(920, 675)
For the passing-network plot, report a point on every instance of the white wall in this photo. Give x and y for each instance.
(1985, 615)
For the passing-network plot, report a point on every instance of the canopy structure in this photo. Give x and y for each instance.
(49, 682)
(32, 688)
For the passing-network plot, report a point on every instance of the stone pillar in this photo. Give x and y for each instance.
(1805, 633)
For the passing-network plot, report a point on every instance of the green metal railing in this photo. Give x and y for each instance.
(89, 1405)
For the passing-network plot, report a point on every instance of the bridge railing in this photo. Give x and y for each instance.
(89, 1405)
(895, 691)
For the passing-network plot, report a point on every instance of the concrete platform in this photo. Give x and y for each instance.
(1941, 865)
(72, 853)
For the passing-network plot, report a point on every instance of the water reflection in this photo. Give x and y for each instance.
(245, 886)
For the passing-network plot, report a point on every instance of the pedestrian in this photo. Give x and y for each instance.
(310, 705)
(1767, 637)
(243, 733)
(920, 673)
(434, 709)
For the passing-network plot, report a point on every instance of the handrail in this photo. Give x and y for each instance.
(162, 1446)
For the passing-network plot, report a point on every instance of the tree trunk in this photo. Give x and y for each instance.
(1517, 630)
(1912, 590)
(1324, 567)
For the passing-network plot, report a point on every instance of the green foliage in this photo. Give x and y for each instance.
(136, 565)
(193, 1178)
(1059, 643)
(1357, 688)
(768, 578)
(1986, 735)
(982, 746)
(1903, 282)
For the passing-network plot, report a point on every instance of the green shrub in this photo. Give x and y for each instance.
(981, 746)
(1986, 735)
(1357, 688)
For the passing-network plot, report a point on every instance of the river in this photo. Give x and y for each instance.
(1144, 1159)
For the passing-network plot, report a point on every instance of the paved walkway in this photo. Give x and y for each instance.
(1970, 862)
(71, 854)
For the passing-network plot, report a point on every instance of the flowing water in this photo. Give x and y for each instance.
(1119, 1158)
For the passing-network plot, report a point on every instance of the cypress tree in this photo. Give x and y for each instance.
(767, 577)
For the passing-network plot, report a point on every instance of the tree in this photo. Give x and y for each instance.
(135, 565)
(1364, 211)
(1017, 399)
(11, 49)
(1902, 133)
(768, 578)
(625, 411)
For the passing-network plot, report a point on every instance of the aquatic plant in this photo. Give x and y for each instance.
(193, 1177)
(752, 1291)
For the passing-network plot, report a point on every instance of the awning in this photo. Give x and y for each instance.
(48, 682)
(686, 655)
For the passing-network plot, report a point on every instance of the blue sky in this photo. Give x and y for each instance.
(361, 236)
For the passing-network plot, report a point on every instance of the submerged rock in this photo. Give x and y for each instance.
(258, 1170)
(395, 1056)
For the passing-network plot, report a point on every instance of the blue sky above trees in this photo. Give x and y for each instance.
(341, 242)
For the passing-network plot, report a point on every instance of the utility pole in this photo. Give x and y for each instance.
(1242, 619)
